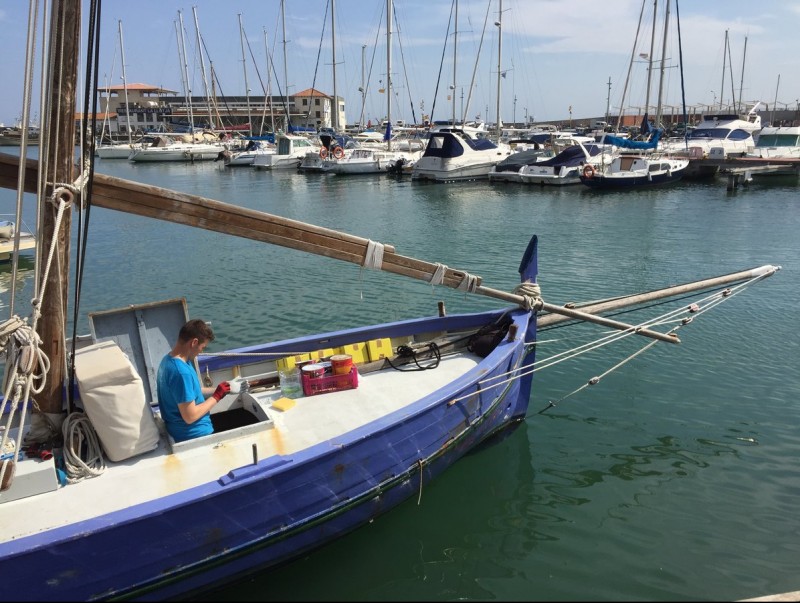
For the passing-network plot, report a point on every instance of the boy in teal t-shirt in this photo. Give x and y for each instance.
(186, 405)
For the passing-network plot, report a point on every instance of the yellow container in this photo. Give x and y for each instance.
(358, 351)
(379, 348)
(320, 354)
(287, 363)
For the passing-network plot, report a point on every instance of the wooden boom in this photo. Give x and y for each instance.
(200, 212)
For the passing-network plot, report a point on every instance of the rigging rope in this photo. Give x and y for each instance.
(677, 318)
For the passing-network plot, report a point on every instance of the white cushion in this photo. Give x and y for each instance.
(113, 397)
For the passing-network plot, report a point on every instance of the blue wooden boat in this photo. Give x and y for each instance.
(269, 484)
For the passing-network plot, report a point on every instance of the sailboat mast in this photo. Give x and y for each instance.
(203, 68)
(775, 103)
(362, 89)
(124, 84)
(285, 68)
(185, 72)
(389, 73)
(499, 55)
(630, 67)
(269, 83)
(333, 59)
(739, 108)
(65, 24)
(724, 58)
(650, 58)
(455, 58)
(246, 86)
(663, 59)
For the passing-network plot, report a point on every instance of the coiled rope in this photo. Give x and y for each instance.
(81, 442)
(531, 294)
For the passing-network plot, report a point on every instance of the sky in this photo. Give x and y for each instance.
(556, 57)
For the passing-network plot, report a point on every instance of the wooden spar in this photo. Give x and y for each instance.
(563, 314)
(65, 37)
(192, 210)
(607, 322)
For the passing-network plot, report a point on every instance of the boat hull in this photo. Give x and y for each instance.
(267, 512)
(182, 153)
(631, 182)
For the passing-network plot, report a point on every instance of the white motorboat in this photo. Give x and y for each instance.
(290, 152)
(371, 161)
(455, 155)
(781, 142)
(566, 167)
(247, 155)
(727, 134)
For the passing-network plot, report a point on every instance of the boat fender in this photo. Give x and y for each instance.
(323, 153)
(338, 152)
(588, 171)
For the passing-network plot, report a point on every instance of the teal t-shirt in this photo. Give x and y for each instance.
(176, 383)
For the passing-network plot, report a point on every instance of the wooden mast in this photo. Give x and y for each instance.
(59, 168)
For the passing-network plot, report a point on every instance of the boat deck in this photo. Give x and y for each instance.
(311, 420)
(26, 241)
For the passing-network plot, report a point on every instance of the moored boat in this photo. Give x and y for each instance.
(165, 148)
(8, 239)
(452, 155)
(291, 148)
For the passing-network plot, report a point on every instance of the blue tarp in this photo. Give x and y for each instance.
(626, 143)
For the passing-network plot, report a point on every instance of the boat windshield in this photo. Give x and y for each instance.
(778, 140)
(719, 134)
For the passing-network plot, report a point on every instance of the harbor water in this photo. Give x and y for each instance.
(675, 477)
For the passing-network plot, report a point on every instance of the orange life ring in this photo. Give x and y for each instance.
(588, 171)
(338, 152)
(323, 153)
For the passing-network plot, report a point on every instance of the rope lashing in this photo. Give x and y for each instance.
(437, 278)
(373, 258)
(531, 294)
(468, 283)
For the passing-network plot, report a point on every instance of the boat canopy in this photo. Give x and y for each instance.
(626, 143)
(572, 156)
(447, 144)
(514, 162)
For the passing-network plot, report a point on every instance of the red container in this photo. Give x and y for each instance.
(341, 364)
(313, 371)
(329, 383)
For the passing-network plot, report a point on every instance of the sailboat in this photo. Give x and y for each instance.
(119, 150)
(379, 160)
(637, 164)
(454, 152)
(134, 514)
